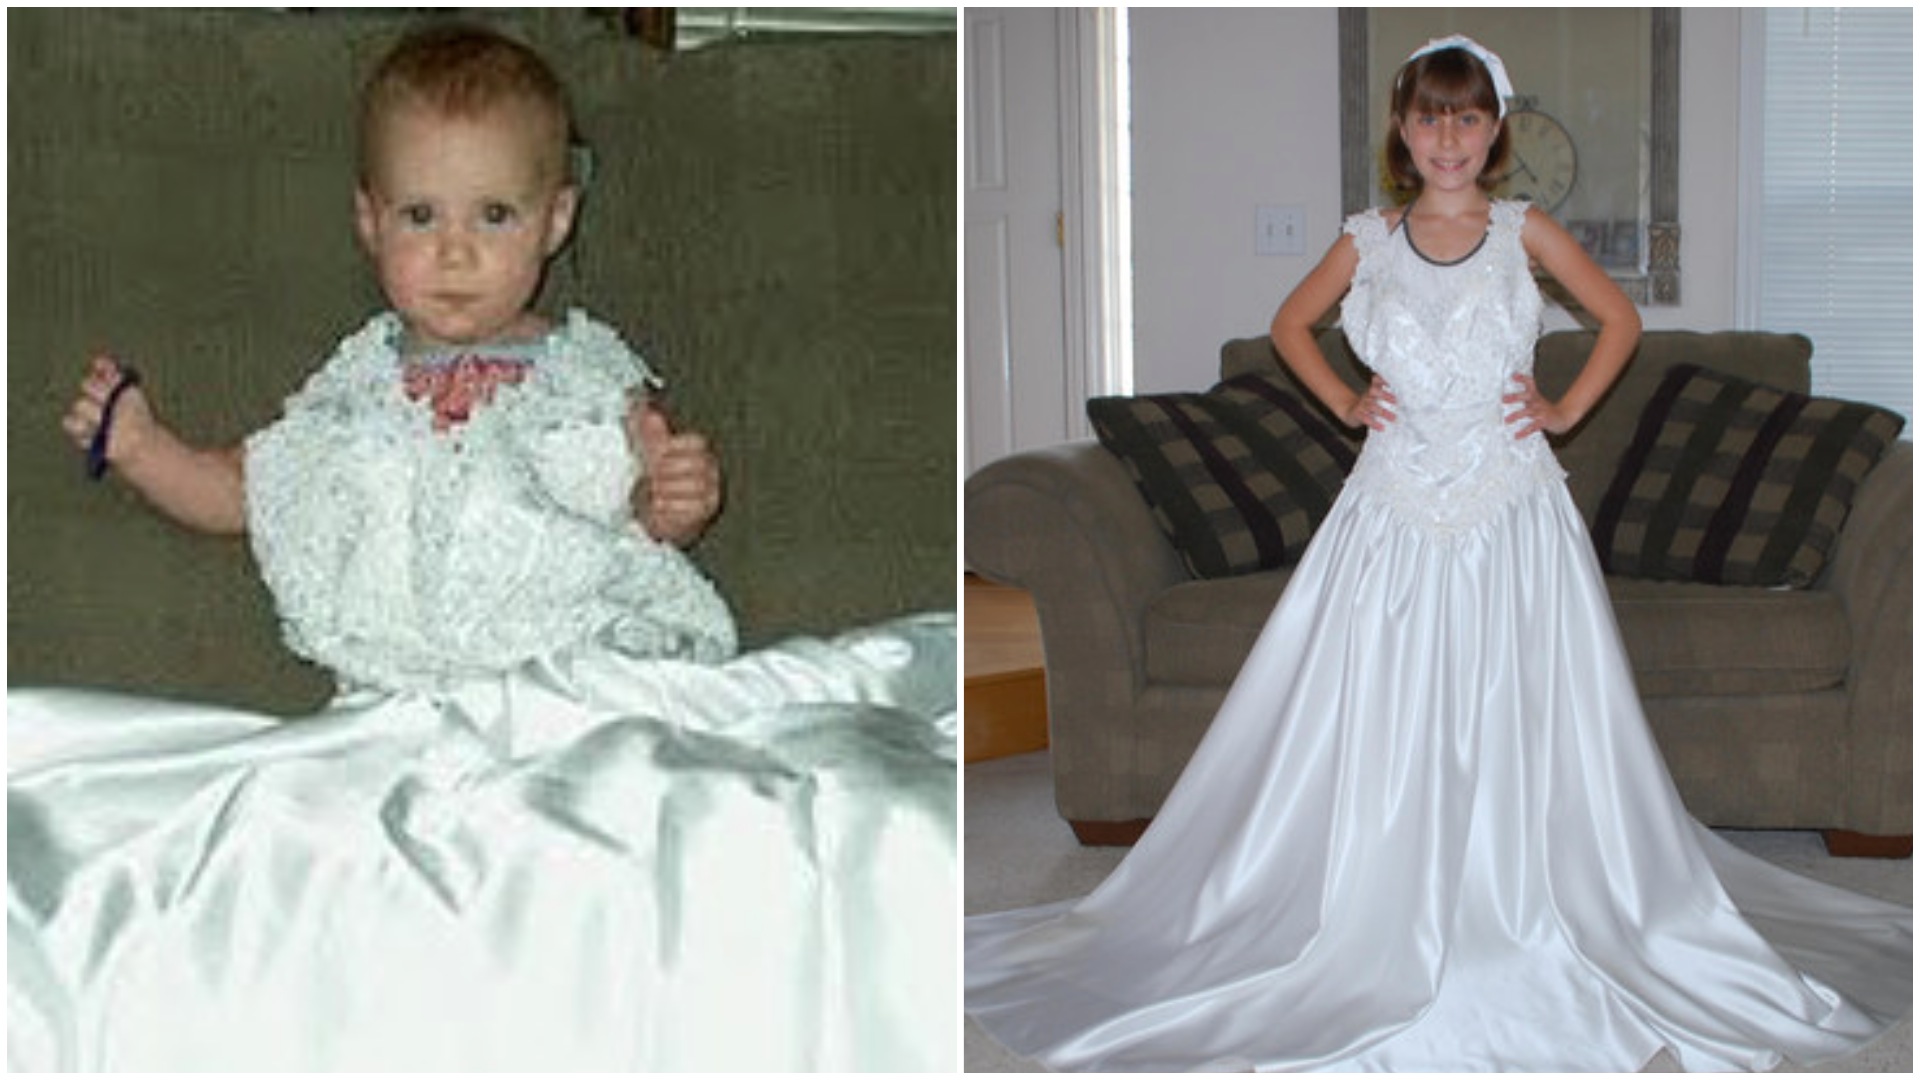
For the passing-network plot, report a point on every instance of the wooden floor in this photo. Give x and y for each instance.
(1006, 689)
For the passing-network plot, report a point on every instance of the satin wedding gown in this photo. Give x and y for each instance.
(552, 820)
(1429, 829)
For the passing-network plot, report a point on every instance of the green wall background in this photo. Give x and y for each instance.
(773, 223)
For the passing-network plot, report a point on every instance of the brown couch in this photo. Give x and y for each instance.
(1774, 708)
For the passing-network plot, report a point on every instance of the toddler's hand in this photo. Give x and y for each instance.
(133, 420)
(681, 488)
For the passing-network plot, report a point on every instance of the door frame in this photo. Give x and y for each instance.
(1096, 207)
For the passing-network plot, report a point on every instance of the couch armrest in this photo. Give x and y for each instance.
(1872, 573)
(1067, 524)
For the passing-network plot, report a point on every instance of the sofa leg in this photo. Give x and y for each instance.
(1109, 833)
(1843, 844)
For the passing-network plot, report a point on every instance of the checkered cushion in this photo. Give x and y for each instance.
(1239, 477)
(1730, 482)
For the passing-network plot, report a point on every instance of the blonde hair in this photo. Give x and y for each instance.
(463, 71)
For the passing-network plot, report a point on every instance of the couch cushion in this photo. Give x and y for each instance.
(1200, 632)
(1682, 639)
(1591, 452)
(1728, 481)
(1237, 477)
(1685, 638)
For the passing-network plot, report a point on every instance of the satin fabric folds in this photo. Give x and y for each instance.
(1510, 883)
(1429, 829)
(590, 861)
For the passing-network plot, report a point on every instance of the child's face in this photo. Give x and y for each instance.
(460, 218)
(1450, 149)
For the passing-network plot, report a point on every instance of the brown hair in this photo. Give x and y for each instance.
(1445, 81)
(465, 71)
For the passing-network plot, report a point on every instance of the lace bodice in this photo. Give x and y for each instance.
(1448, 339)
(402, 556)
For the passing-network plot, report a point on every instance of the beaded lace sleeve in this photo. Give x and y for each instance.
(1370, 235)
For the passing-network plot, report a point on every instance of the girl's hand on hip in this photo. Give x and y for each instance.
(1535, 413)
(1372, 409)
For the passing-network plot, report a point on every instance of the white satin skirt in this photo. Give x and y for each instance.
(592, 862)
(1429, 830)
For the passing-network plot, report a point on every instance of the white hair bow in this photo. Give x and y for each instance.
(1502, 86)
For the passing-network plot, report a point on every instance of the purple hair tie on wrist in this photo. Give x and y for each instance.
(97, 449)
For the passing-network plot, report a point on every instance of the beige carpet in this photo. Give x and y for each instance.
(1019, 852)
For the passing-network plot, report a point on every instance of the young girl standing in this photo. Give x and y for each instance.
(551, 820)
(1429, 829)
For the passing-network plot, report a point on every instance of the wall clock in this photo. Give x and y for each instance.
(1541, 163)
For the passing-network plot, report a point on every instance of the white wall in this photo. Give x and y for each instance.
(1234, 109)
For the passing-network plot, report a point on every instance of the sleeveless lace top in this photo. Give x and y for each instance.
(1448, 339)
(405, 553)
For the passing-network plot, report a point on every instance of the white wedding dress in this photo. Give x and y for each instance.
(552, 820)
(1429, 829)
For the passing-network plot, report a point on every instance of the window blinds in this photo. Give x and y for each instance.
(1836, 227)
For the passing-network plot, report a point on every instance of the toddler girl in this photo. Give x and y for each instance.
(551, 820)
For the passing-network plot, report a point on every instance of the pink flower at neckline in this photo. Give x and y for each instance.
(456, 387)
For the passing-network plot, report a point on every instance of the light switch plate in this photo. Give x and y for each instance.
(1279, 230)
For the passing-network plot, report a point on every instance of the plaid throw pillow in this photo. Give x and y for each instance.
(1729, 482)
(1238, 477)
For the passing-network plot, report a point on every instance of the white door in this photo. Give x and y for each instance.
(1015, 339)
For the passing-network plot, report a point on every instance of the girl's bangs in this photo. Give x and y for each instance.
(1444, 88)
